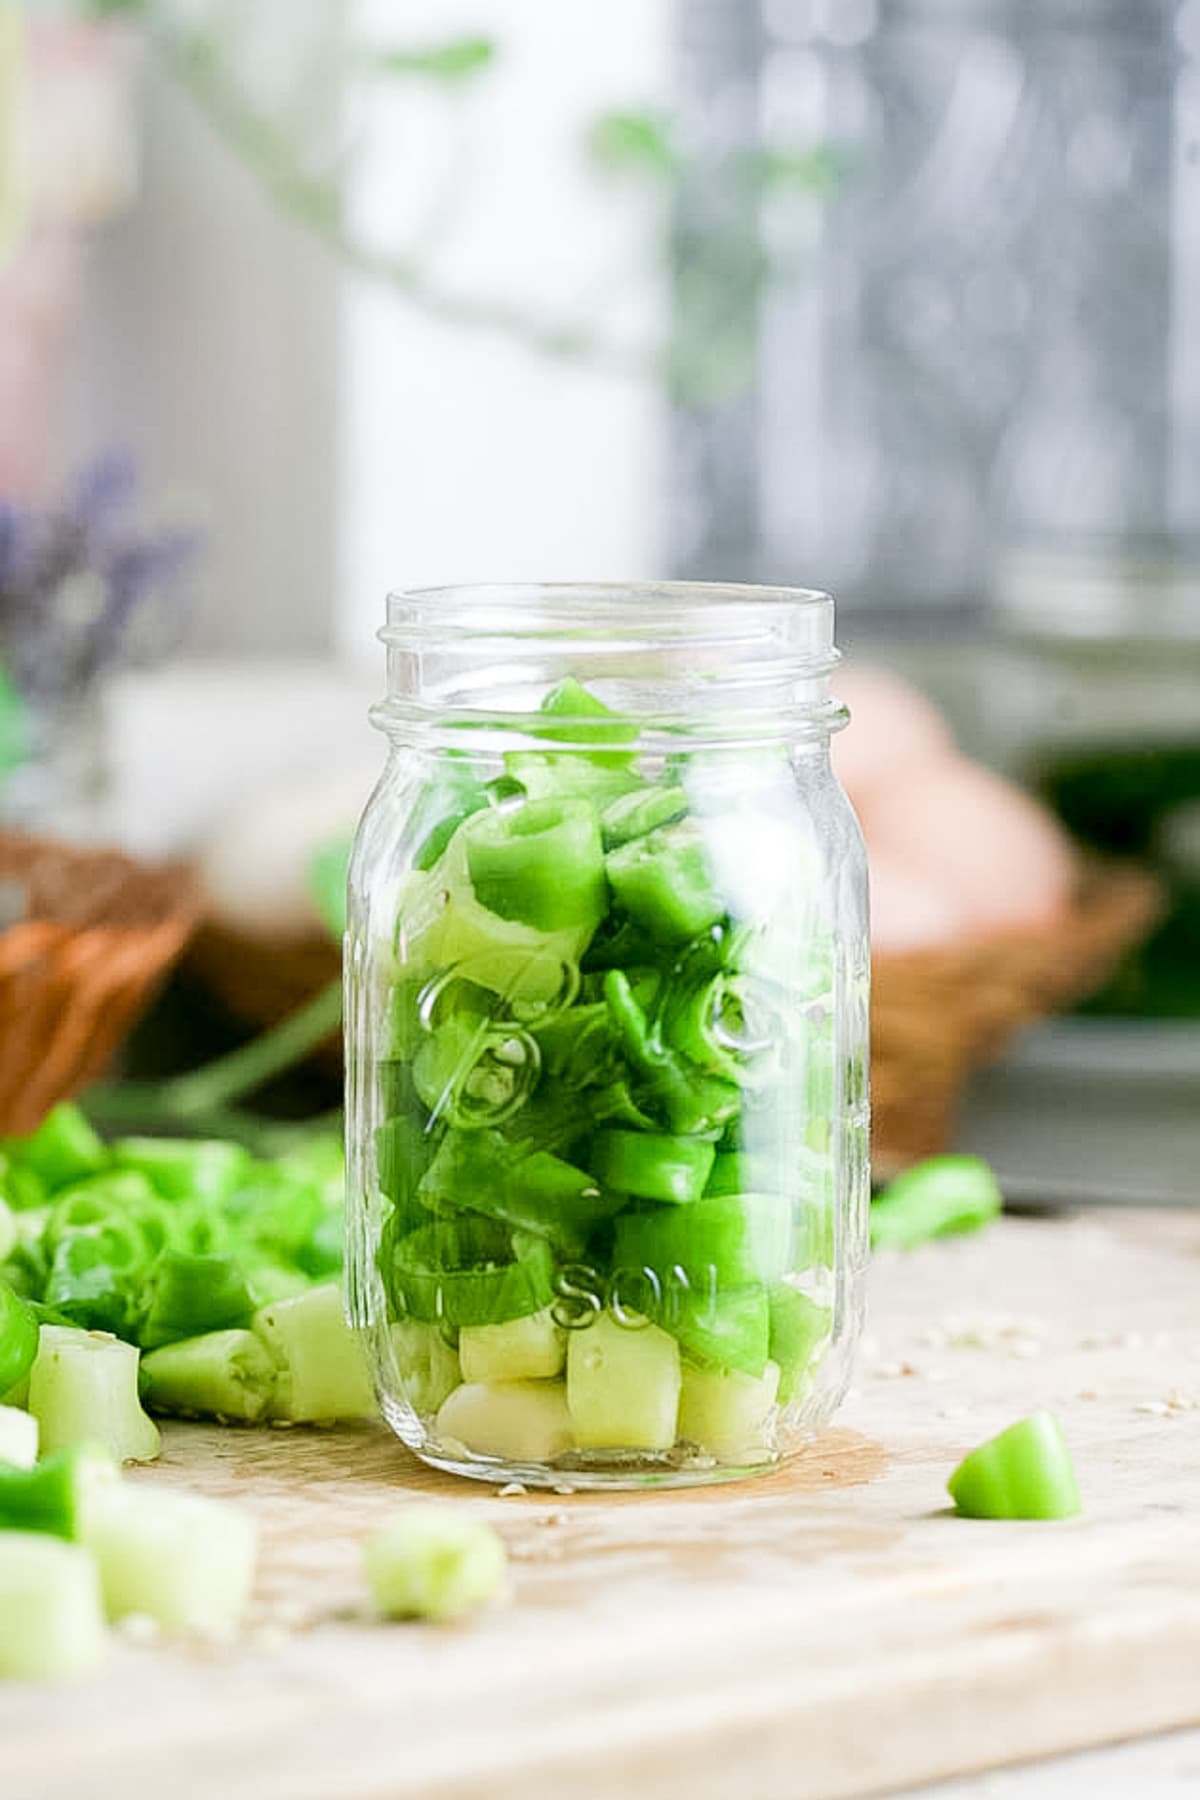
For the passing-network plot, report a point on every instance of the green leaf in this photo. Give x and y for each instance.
(777, 166)
(637, 141)
(458, 60)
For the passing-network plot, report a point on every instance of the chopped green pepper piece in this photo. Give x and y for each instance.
(186, 1168)
(1024, 1473)
(728, 1329)
(735, 1171)
(403, 1152)
(224, 1374)
(723, 1241)
(661, 883)
(481, 1172)
(322, 1370)
(577, 1047)
(324, 1253)
(590, 722)
(617, 944)
(471, 1271)
(799, 1327)
(652, 1166)
(616, 1105)
(539, 862)
(278, 1209)
(26, 1268)
(943, 1195)
(18, 1436)
(63, 1149)
(429, 1562)
(556, 1119)
(50, 1605)
(473, 800)
(595, 771)
(474, 1074)
(687, 1099)
(120, 1194)
(788, 1170)
(21, 1190)
(724, 1024)
(634, 815)
(83, 1390)
(445, 928)
(50, 1497)
(191, 1294)
(181, 1559)
(97, 1274)
(18, 1338)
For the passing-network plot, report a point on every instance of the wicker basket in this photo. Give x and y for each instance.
(94, 933)
(935, 1013)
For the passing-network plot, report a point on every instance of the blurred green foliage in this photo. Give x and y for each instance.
(455, 61)
(641, 142)
(707, 239)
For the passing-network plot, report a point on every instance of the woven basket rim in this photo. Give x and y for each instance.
(135, 895)
(100, 930)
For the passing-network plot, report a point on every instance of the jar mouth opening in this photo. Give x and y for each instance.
(595, 609)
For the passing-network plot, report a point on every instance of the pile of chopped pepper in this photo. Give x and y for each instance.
(192, 1251)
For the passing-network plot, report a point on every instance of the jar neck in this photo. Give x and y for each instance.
(709, 662)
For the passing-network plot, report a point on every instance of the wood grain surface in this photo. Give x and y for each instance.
(828, 1631)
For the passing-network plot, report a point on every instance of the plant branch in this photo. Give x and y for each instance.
(250, 1066)
(315, 203)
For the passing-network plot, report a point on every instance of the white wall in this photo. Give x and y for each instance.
(466, 457)
(345, 441)
(208, 341)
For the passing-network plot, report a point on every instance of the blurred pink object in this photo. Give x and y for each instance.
(38, 292)
(956, 852)
(81, 163)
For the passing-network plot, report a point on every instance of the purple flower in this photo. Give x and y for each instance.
(83, 584)
(15, 546)
(103, 491)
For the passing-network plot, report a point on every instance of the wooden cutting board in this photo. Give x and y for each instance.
(828, 1631)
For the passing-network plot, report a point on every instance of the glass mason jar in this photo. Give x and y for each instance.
(607, 977)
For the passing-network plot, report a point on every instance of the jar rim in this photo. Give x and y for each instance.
(801, 618)
(671, 587)
(484, 654)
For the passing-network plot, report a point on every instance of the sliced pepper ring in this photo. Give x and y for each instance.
(725, 1025)
(456, 1272)
(500, 980)
(474, 1074)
